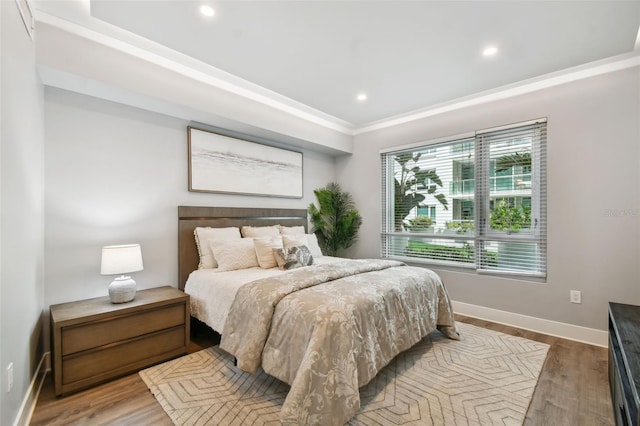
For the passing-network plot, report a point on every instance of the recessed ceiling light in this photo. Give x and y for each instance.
(362, 97)
(490, 51)
(207, 10)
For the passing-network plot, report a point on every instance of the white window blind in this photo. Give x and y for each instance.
(475, 202)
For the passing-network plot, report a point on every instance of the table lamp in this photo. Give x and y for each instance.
(120, 260)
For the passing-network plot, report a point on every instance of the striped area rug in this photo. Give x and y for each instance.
(487, 378)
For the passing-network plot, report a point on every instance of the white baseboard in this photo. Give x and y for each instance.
(552, 328)
(31, 398)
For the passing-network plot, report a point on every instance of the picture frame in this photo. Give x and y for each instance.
(220, 163)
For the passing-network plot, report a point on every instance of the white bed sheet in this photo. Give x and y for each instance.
(212, 291)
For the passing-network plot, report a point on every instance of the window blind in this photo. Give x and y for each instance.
(475, 202)
(511, 170)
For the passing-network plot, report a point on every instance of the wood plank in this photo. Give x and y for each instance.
(573, 389)
(123, 401)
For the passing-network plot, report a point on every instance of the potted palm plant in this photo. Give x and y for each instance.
(336, 221)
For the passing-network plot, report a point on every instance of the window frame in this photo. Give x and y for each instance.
(533, 239)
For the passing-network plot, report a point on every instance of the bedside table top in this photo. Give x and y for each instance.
(101, 306)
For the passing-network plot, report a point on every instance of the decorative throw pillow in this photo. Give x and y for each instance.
(260, 231)
(235, 254)
(203, 235)
(293, 257)
(264, 251)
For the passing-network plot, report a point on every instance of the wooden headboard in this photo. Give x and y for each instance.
(190, 217)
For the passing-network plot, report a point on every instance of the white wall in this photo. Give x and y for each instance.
(116, 174)
(593, 169)
(21, 212)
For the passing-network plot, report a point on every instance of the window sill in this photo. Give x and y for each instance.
(469, 269)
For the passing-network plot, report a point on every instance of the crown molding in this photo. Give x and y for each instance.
(89, 28)
(592, 69)
(138, 47)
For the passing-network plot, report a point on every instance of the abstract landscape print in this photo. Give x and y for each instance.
(219, 163)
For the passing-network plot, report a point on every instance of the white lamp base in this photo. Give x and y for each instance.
(122, 289)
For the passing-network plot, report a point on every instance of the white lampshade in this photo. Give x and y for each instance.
(121, 259)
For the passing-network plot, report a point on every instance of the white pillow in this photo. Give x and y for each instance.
(234, 254)
(289, 230)
(260, 231)
(309, 240)
(294, 240)
(314, 247)
(264, 251)
(203, 235)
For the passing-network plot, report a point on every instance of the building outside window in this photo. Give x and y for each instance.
(477, 201)
(429, 211)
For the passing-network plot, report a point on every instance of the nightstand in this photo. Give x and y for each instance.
(95, 340)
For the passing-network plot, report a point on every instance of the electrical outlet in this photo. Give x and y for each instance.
(9, 377)
(575, 296)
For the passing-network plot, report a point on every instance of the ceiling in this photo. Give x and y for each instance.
(405, 56)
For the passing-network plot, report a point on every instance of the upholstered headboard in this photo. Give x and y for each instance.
(190, 217)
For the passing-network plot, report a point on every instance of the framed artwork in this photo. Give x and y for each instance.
(225, 164)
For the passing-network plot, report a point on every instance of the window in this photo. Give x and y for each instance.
(429, 211)
(477, 201)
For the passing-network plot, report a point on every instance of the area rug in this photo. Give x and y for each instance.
(486, 378)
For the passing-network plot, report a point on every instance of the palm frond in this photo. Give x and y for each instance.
(336, 221)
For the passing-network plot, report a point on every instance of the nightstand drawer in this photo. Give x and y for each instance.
(103, 332)
(93, 363)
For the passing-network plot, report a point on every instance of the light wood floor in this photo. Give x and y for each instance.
(573, 389)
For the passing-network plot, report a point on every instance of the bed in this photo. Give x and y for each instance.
(325, 329)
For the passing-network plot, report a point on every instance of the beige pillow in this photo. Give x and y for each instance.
(289, 230)
(234, 254)
(203, 235)
(264, 251)
(260, 231)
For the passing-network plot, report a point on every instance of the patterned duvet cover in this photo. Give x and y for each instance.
(327, 330)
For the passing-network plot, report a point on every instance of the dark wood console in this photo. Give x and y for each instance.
(624, 362)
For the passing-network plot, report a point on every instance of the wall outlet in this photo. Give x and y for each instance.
(9, 377)
(575, 296)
